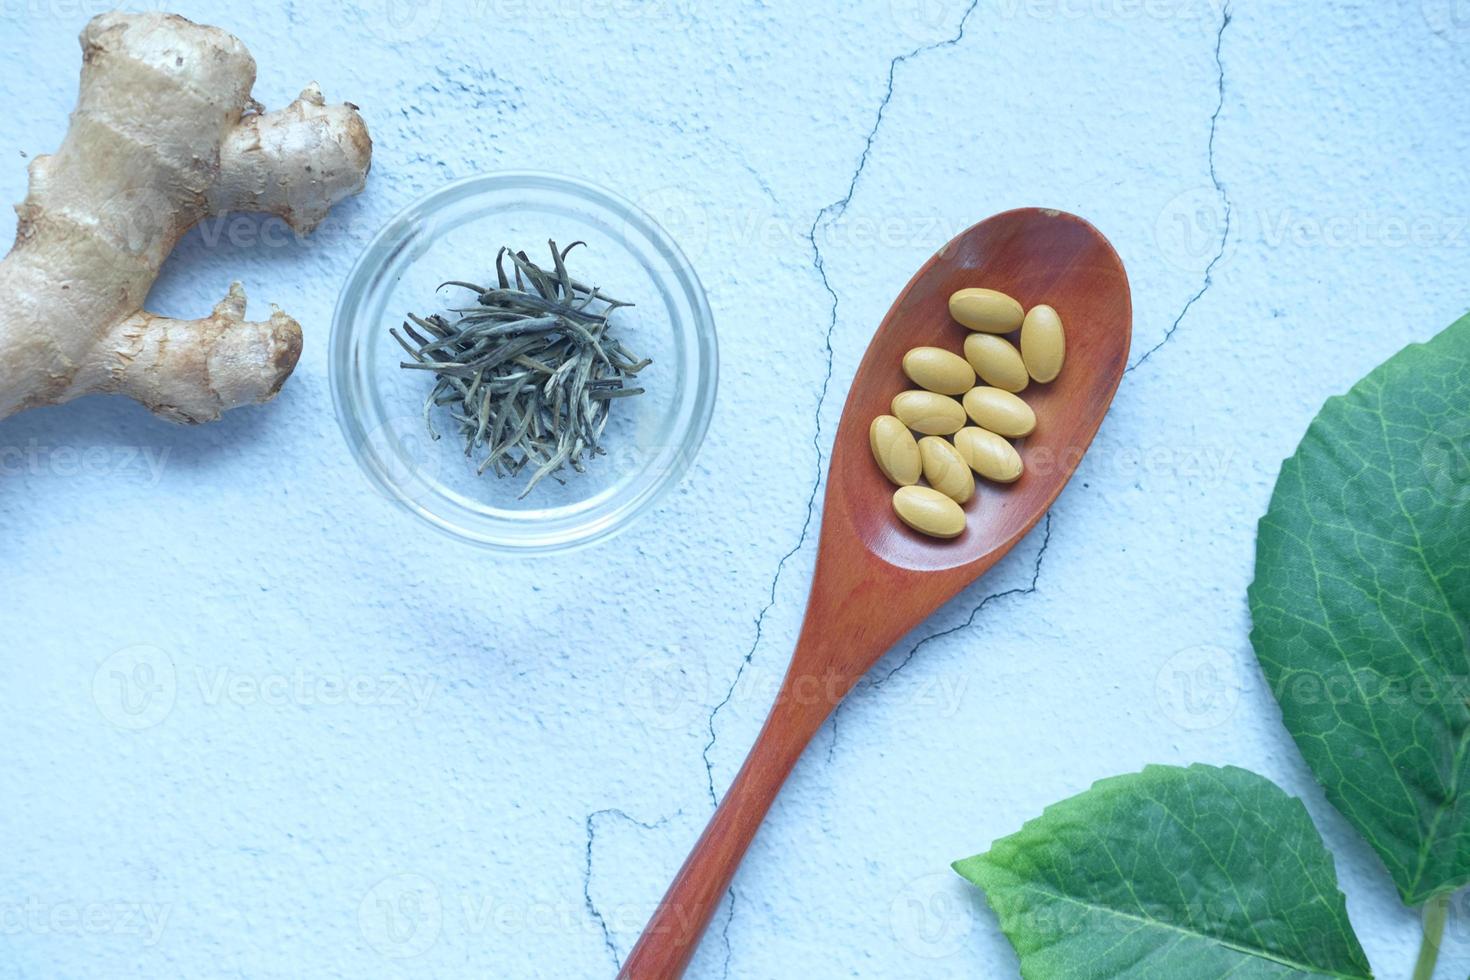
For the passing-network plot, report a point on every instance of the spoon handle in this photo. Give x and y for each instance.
(672, 935)
(852, 617)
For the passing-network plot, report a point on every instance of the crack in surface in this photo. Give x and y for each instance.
(825, 216)
(591, 905)
(1219, 189)
(725, 935)
(966, 624)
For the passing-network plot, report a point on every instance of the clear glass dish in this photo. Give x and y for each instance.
(455, 233)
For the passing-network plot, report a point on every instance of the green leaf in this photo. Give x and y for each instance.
(1201, 873)
(1360, 602)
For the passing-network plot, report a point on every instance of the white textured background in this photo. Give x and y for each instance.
(524, 751)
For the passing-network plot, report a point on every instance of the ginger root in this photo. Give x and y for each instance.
(164, 135)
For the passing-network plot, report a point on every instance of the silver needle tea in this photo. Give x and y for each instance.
(530, 371)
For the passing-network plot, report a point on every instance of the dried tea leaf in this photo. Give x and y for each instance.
(529, 375)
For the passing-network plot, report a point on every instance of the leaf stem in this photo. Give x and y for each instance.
(1436, 911)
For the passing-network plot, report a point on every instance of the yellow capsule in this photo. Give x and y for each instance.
(1043, 343)
(939, 370)
(895, 450)
(999, 411)
(928, 511)
(929, 413)
(986, 310)
(988, 454)
(945, 469)
(996, 361)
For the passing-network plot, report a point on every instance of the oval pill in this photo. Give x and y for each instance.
(939, 370)
(986, 310)
(945, 469)
(895, 450)
(1043, 343)
(988, 454)
(996, 361)
(928, 412)
(928, 511)
(999, 411)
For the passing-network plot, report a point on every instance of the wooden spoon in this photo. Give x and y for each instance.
(876, 579)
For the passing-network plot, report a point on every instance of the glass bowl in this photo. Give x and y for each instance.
(455, 233)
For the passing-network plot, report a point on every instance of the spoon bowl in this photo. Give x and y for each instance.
(875, 578)
(1035, 256)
